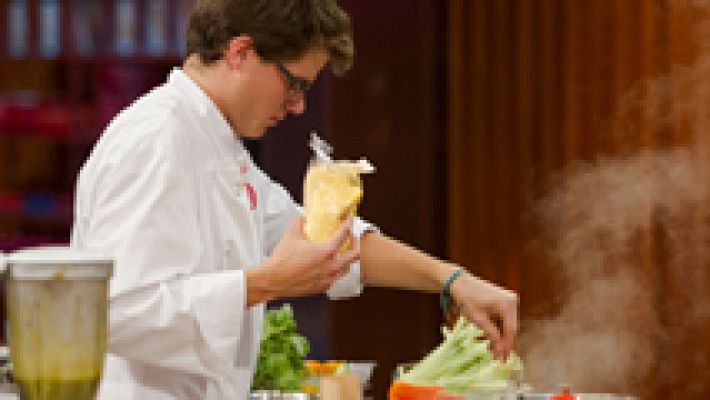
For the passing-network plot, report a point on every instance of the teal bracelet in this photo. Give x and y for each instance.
(445, 295)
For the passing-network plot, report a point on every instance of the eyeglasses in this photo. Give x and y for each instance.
(296, 86)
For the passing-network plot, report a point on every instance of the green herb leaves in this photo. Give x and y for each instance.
(280, 363)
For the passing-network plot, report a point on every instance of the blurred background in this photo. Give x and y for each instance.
(557, 147)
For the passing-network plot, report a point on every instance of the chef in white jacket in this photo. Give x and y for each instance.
(202, 237)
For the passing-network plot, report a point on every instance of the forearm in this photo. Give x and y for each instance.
(386, 262)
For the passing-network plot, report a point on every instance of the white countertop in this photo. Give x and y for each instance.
(8, 392)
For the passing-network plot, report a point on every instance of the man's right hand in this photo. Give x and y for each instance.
(299, 267)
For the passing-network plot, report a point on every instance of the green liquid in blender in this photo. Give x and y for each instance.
(57, 337)
(54, 389)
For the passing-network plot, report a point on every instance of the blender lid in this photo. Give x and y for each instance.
(57, 262)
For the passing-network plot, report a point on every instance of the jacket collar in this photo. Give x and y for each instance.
(212, 119)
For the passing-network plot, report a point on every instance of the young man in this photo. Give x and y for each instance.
(202, 238)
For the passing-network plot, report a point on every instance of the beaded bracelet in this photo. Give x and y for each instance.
(445, 294)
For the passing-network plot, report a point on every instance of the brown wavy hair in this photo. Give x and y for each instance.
(282, 30)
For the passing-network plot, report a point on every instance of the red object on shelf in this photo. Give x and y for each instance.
(565, 394)
(28, 115)
(19, 116)
(10, 203)
(54, 120)
(4, 118)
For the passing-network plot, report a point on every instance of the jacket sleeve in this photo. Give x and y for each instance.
(136, 202)
(281, 209)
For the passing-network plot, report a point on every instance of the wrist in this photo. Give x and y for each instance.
(260, 287)
(446, 299)
(442, 274)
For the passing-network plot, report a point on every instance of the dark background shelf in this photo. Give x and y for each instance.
(52, 108)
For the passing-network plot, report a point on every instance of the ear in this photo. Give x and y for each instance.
(237, 50)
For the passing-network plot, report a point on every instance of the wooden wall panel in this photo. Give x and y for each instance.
(536, 87)
(389, 108)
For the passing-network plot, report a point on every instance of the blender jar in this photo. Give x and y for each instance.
(57, 310)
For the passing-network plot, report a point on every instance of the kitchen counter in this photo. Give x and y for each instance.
(8, 391)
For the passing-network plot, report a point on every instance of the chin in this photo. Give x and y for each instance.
(253, 133)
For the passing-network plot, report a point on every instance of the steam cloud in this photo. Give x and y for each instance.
(601, 220)
(631, 240)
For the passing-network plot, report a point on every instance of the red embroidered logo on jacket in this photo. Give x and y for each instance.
(251, 193)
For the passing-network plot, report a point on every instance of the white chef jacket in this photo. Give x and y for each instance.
(171, 193)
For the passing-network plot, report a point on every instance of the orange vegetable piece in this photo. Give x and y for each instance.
(408, 391)
(313, 367)
(329, 367)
